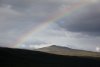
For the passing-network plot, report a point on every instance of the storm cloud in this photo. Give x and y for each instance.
(86, 21)
(79, 30)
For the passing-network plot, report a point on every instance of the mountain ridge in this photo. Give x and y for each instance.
(60, 50)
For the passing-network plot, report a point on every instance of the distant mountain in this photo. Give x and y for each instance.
(27, 58)
(68, 51)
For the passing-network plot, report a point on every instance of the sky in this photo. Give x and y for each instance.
(78, 30)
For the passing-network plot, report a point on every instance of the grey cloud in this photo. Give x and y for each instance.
(26, 20)
(33, 10)
(18, 3)
(86, 22)
(35, 42)
(22, 5)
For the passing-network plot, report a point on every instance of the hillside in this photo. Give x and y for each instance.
(26, 58)
(68, 51)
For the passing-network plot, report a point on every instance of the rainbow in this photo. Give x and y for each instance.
(51, 21)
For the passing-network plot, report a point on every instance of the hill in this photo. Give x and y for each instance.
(27, 58)
(68, 51)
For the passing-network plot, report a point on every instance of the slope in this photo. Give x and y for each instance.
(26, 58)
(68, 51)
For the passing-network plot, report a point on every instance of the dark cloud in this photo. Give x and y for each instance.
(17, 4)
(87, 22)
(22, 5)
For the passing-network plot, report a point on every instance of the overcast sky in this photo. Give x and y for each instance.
(80, 30)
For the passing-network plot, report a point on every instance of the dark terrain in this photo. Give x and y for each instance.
(27, 58)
